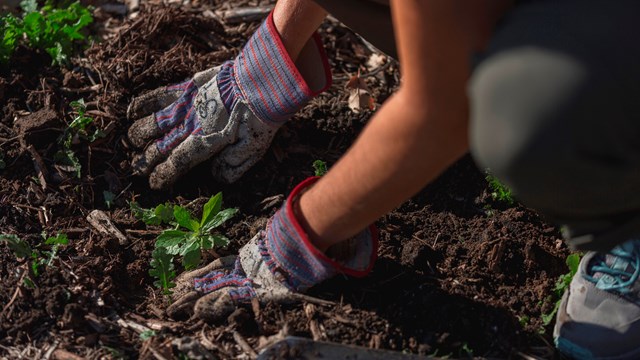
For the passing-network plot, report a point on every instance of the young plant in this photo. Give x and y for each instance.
(161, 214)
(499, 191)
(53, 30)
(195, 235)
(320, 167)
(163, 270)
(76, 131)
(562, 284)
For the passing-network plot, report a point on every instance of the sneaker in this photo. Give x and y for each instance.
(599, 316)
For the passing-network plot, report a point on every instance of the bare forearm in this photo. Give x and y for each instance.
(401, 150)
(296, 21)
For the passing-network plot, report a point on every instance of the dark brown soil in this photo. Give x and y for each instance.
(458, 272)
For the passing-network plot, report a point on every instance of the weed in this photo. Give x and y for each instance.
(147, 334)
(76, 131)
(562, 284)
(320, 167)
(163, 270)
(53, 30)
(161, 214)
(189, 243)
(499, 191)
(109, 197)
(188, 238)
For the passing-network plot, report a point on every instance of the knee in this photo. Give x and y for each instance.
(520, 100)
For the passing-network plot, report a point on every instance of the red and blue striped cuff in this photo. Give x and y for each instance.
(287, 248)
(270, 82)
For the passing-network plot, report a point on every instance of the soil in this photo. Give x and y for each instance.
(458, 273)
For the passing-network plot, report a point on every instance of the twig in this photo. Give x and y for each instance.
(15, 295)
(244, 345)
(313, 300)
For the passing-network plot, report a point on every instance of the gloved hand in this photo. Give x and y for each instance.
(231, 111)
(276, 264)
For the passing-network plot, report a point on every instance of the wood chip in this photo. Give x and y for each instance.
(101, 222)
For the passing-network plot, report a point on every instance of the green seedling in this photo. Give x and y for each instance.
(163, 270)
(161, 214)
(56, 31)
(191, 236)
(499, 191)
(147, 334)
(109, 197)
(562, 284)
(320, 167)
(76, 131)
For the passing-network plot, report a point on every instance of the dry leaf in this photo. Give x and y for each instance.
(359, 95)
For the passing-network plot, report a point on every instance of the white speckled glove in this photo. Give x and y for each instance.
(230, 112)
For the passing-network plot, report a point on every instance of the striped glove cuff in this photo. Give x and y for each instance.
(265, 76)
(287, 249)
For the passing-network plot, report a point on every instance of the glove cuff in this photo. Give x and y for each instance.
(287, 249)
(268, 79)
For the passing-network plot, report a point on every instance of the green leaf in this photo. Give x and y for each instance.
(211, 208)
(210, 241)
(171, 240)
(163, 270)
(164, 213)
(192, 243)
(191, 259)
(184, 219)
(573, 261)
(219, 219)
(319, 167)
(147, 334)
(59, 239)
(19, 247)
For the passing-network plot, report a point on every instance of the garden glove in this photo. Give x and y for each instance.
(231, 111)
(274, 266)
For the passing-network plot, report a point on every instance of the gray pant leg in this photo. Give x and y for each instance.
(371, 19)
(555, 115)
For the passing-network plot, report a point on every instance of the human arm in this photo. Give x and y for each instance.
(418, 132)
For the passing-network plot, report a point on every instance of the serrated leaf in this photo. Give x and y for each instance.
(163, 270)
(59, 239)
(219, 219)
(192, 259)
(19, 247)
(211, 208)
(184, 219)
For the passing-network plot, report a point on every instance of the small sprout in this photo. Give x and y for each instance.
(189, 243)
(109, 197)
(161, 214)
(499, 191)
(147, 334)
(562, 284)
(163, 270)
(320, 167)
